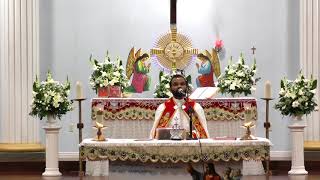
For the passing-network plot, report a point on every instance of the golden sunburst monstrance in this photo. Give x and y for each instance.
(173, 50)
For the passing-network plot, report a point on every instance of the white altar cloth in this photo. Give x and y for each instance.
(175, 151)
(172, 143)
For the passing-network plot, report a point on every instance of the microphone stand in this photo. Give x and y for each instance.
(190, 114)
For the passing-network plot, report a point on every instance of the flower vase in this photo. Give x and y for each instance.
(103, 92)
(297, 131)
(236, 95)
(297, 120)
(110, 91)
(114, 91)
(51, 121)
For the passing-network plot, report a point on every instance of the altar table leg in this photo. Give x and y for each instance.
(81, 172)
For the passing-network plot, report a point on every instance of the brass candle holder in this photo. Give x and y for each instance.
(248, 123)
(100, 136)
(267, 126)
(248, 135)
(80, 126)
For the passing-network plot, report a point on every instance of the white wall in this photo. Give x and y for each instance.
(72, 30)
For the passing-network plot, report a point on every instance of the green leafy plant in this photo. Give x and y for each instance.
(50, 97)
(163, 87)
(107, 73)
(297, 97)
(238, 78)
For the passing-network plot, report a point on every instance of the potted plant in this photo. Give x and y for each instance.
(297, 98)
(238, 78)
(108, 78)
(50, 99)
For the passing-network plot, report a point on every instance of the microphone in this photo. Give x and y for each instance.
(181, 91)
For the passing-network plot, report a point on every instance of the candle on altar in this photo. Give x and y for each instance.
(100, 116)
(267, 89)
(247, 114)
(79, 90)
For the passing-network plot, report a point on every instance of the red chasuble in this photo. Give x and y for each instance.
(169, 110)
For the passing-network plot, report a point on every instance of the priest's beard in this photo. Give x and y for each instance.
(178, 95)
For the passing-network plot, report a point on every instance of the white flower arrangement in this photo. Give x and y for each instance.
(297, 97)
(107, 74)
(163, 88)
(50, 98)
(238, 78)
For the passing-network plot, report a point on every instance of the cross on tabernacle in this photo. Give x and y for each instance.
(175, 125)
(173, 11)
(253, 49)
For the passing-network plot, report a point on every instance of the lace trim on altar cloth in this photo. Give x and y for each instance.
(175, 155)
(106, 168)
(175, 151)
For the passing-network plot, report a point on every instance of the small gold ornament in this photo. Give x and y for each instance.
(248, 135)
(100, 136)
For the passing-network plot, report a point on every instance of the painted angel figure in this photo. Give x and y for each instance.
(136, 65)
(209, 67)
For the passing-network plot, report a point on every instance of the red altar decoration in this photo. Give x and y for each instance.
(144, 108)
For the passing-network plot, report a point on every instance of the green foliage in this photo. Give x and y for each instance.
(297, 97)
(163, 88)
(107, 74)
(238, 78)
(50, 98)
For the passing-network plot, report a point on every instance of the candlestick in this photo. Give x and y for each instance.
(267, 90)
(79, 90)
(267, 126)
(247, 114)
(80, 126)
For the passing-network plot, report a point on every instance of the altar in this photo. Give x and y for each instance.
(175, 151)
(134, 117)
(164, 151)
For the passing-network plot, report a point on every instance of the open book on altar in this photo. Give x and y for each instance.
(204, 93)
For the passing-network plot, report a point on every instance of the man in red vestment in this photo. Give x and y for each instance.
(175, 111)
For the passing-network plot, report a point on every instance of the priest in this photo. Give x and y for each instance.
(176, 111)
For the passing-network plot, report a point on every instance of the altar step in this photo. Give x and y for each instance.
(72, 167)
(312, 150)
(21, 152)
(312, 146)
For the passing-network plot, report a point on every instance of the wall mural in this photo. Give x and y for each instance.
(208, 67)
(139, 69)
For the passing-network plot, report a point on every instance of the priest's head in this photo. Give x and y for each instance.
(178, 86)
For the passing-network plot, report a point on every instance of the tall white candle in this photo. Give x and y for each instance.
(100, 116)
(267, 89)
(79, 90)
(247, 114)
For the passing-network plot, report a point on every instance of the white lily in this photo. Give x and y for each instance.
(295, 104)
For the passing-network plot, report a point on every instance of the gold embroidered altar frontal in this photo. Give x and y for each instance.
(219, 109)
(175, 151)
